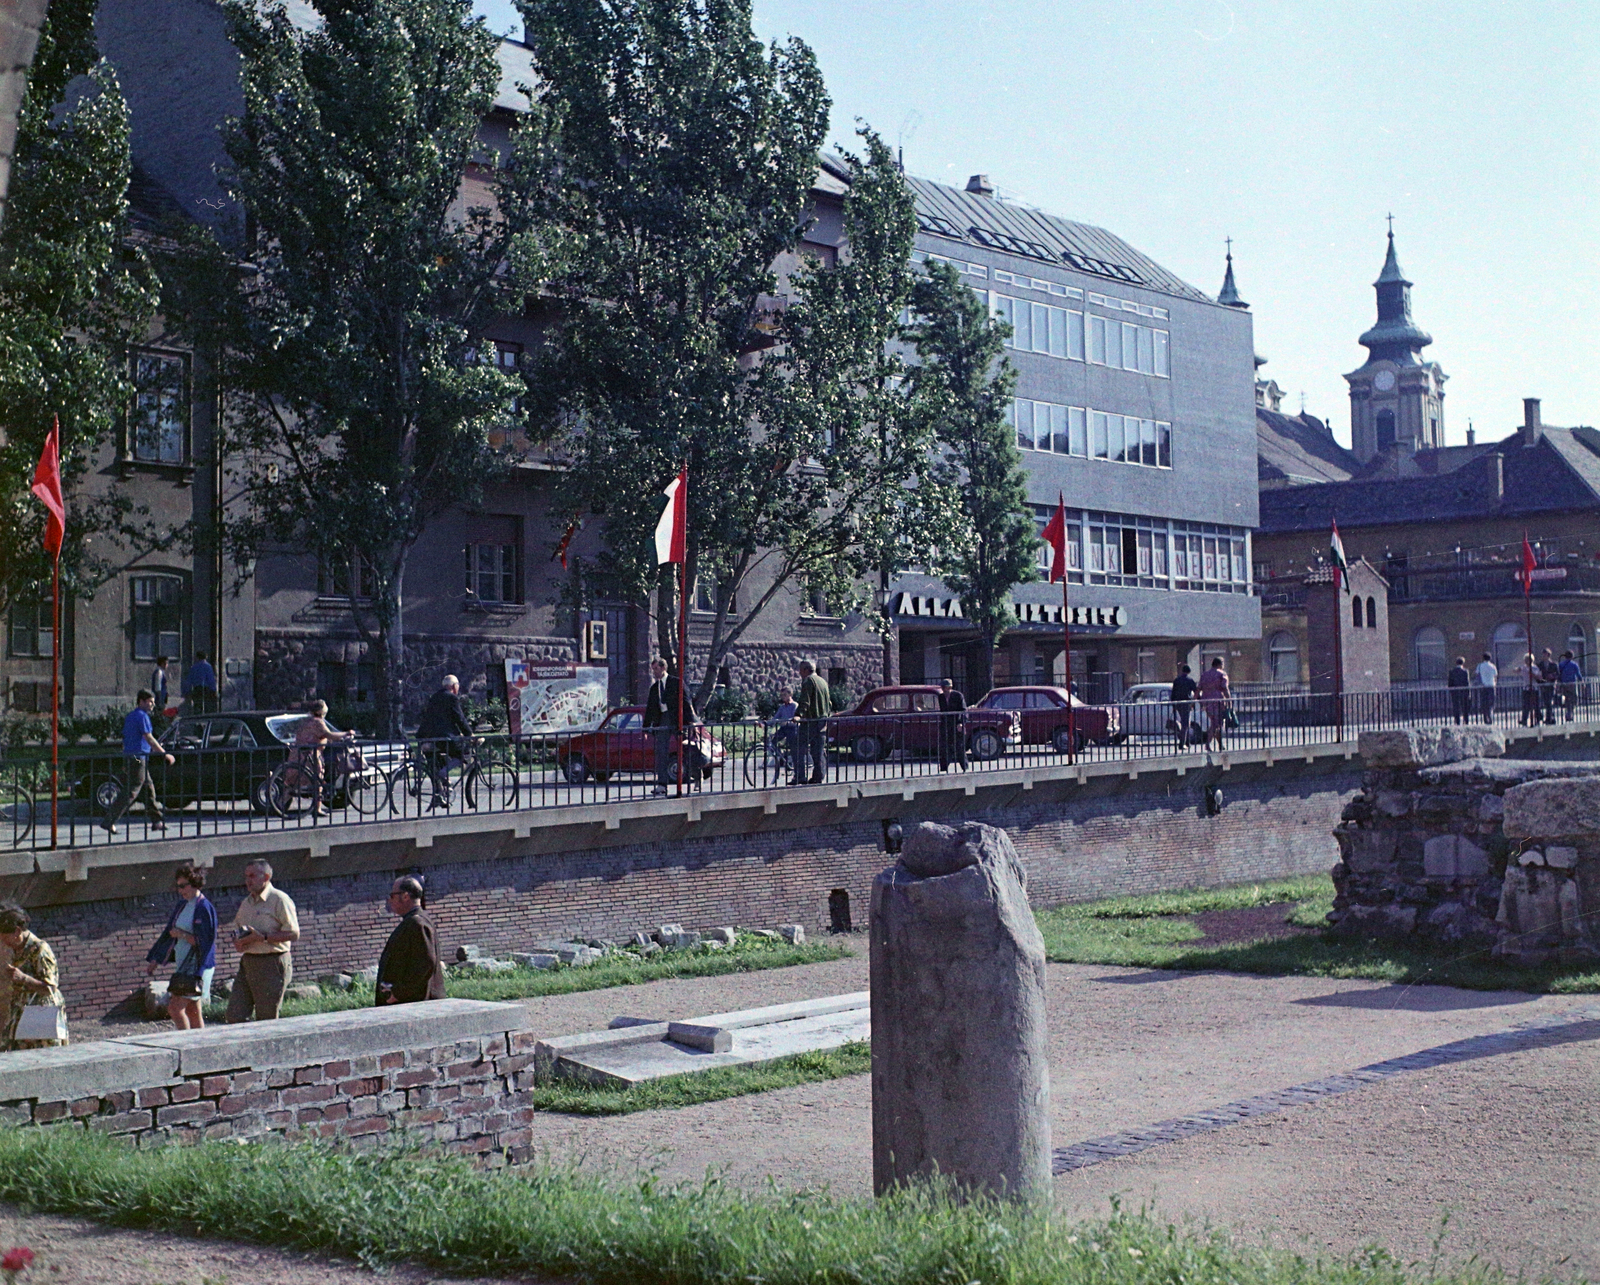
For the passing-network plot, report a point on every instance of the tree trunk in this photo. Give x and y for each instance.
(392, 650)
(891, 635)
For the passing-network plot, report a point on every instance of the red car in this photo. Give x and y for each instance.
(1043, 711)
(622, 744)
(907, 719)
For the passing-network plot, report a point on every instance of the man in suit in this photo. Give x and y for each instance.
(813, 705)
(409, 969)
(662, 718)
(952, 726)
(440, 735)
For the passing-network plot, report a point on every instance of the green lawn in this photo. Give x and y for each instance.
(1154, 932)
(578, 1225)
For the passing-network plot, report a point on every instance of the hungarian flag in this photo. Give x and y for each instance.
(1336, 552)
(1055, 535)
(1530, 564)
(673, 529)
(47, 486)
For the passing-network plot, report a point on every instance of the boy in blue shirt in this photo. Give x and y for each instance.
(138, 740)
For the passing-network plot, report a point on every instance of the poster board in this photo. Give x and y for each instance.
(544, 697)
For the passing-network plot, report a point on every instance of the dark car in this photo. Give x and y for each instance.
(1045, 721)
(906, 719)
(223, 758)
(623, 744)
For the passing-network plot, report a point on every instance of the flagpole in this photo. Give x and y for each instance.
(683, 638)
(55, 694)
(1066, 645)
(1527, 608)
(1338, 654)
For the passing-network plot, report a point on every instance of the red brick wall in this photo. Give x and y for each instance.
(1107, 838)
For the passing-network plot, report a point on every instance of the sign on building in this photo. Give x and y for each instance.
(554, 697)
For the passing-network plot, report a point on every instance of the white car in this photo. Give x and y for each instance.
(1147, 710)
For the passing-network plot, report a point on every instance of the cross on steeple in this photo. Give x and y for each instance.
(1391, 223)
(1229, 241)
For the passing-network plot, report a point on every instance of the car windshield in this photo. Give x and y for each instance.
(622, 721)
(283, 726)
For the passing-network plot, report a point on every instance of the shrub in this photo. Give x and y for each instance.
(728, 705)
(841, 696)
(766, 704)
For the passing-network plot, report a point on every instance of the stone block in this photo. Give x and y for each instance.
(303, 990)
(1451, 856)
(483, 964)
(337, 981)
(1553, 809)
(464, 953)
(1491, 807)
(1532, 857)
(154, 999)
(794, 934)
(1368, 851)
(681, 940)
(576, 956)
(1393, 803)
(641, 940)
(1561, 858)
(1390, 921)
(666, 930)
(369, 975)
(1416, 747)
(534, 959)
(723, 936)
(79, 1070)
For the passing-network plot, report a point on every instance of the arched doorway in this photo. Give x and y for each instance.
(1428, 653)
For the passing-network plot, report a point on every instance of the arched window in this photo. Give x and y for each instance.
(1428, 650)
(1355, 612)
(1372, 613)
(1510, 647)
(1283, 657)
(1578, 644)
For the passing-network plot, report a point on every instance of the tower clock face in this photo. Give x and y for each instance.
(1383, 381)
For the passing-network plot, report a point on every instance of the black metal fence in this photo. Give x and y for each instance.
(215, 791)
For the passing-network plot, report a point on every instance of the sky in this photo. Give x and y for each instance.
(1293, 128)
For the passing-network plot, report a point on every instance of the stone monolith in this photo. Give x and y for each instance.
(960, 1082)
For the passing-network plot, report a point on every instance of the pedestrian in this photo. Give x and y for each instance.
(138, 743)
(1527, 679)
(35, 979)
(813, 704)
(1182, 696)
(1459, 681)
(200, 685)
(952, 726)
(1571, 674)
(265, 926)
(1549, 676)
(190, 941)
(409, 970)
(442, 734)
(1215, 700)
(664, 720)
(159, 684)
(1487, 674)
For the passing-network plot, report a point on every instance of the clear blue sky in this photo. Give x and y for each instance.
(1293, 128)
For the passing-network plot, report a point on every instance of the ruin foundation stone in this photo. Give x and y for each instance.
(960, 1082)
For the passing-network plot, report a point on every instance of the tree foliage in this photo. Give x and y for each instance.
(347, 345)
(72, 294)
(961, 352)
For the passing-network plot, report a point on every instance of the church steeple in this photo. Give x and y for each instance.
(1228, 296)
(1396, 337)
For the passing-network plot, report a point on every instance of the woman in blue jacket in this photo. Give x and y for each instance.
(190, 937)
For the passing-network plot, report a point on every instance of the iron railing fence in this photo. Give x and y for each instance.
(221, 791)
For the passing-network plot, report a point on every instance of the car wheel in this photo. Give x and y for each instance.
(575, 769)
(1062, 740)
(985, 744)
(867, 749)
(108, 794)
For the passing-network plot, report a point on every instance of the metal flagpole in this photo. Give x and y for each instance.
(1338, 653)
(1066, 643)
(55, 694)
(683, 638)
(1529, 702)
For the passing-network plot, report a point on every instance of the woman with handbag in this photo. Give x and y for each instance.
(38, 1016)
(1216, 699)
(190, 938)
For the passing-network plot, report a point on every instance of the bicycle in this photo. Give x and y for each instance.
(336, 777)
(771, 761)
(425, 775)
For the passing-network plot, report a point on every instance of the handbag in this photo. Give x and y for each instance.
(1230, 720)
(42, 1022)
(187, 980)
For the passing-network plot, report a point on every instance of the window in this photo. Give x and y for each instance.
(1385, 425)
(891, 702)
(344, 578)
(1040, 327)
(1577, 644)
(1283, 657)
(492, 572)
(1145, 665)
(367, 682)
(330, 680)
(1428, 652)
(158, 427)
(1509, 645)
(1129, 346)
(1372, 613)
(1046, 556)
(814, 602)
(1209, 558)
(157, 617)
(32, 632)
(1355, 611)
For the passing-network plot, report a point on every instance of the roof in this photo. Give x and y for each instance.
(994, 224)
(1294, 450)
(1560, 473)
(151, 208)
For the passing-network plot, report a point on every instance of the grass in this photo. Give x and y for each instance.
(704, 1086)
(623, 968)
(389, 1207)
(1153, 932)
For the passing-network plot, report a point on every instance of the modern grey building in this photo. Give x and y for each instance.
(1135, 403)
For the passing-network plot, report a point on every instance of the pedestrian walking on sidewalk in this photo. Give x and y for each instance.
(190, 941)
(138, 743)
(265, 927)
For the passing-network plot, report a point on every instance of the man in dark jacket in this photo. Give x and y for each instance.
(1184, 689)
(1459, 681)
(439, 735)
(813, 705)
(952, 726)
(409, 969)
(662, 718)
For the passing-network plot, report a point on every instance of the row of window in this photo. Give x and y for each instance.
(1076, 336)
(1150, 553)
(1091, 434)
(1057, 288)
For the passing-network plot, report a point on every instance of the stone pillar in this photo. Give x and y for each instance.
(960, 1082)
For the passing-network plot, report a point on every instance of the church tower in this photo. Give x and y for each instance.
(1396, 398)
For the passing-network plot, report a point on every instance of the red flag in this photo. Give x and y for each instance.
(1055, 535)
(672, 530)
(573, 528)
(47, 486)
(1529, 564)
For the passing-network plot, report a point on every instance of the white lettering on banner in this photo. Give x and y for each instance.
(1028, 613)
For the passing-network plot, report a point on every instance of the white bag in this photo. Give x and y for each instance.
(42, 1022)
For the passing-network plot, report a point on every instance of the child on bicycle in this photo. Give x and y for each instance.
(782, 720)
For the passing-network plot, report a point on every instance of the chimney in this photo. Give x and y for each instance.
(979, 185)
(1497, 478)
(1532, 427)
(1472, 437)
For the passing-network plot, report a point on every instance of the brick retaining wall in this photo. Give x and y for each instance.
(1107, 837)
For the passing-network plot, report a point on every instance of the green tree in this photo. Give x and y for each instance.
(72, 294)
(961, 351)
(685, 154)
(347, 345)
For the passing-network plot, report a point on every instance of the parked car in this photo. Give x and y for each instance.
(1044, 715)
(217, 758)
(623, 744)
(907, 719)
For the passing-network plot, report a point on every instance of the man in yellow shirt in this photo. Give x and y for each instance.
(265, 925)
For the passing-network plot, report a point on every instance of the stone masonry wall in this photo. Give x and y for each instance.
(1109, 837)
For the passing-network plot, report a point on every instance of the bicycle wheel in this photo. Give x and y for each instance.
(291, 789)
(499, 785)
(17, 819)
(365, 790)
(410, 789)
(763, 765)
